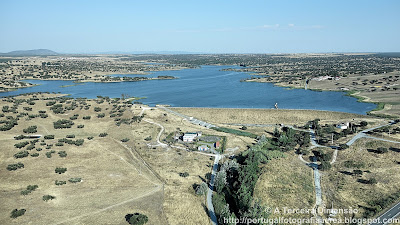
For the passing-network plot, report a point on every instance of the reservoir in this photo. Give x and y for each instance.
(207, 86)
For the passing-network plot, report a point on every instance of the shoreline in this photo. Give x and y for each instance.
(351, 93)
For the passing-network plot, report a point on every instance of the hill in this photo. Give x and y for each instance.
(30, 52)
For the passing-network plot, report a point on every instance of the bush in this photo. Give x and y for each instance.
(185, 174)
(201, 189)
(97, 109)
(29, 189)
(125, 140)
(75, 180)
(60, 124)
(21, 144)
(59, 144)
(48, 197)
(49, 136)
(381, 150)
(31, 129)
(325, 165)
(15, 166)
(86, 117)
(21, 154)
(103, 134)
(136, 219)
(30, 147)
(70, 136)
(17, 213)
(62, 154)
(19, 137)
(81, 126)
(43, 115)
(48, 154)
(35, 154)
(90, 138)
(61, 182)
(101, 115)
(148, 138)
(79, 142)
(60, 170)
(343, 146)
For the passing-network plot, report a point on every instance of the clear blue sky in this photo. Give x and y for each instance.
(218, 26)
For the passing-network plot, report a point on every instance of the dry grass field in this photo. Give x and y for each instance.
(264, 116)
(286, 182)
(343, 189)
(117, 178)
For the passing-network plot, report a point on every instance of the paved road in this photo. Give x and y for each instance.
(210, 206)
(363, 134)
(385, 218)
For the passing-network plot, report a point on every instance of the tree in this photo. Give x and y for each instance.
(381, 150)
(136, 219)
(244, 128)
(363, 123)
(16, 213)
(358, 172)
(220, 181)
(201, 189)
(325, 165)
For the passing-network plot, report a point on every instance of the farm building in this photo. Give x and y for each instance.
(203, 148)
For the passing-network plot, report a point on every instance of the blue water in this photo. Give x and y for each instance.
(207, 86)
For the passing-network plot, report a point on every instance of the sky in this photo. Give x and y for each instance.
(218, 26)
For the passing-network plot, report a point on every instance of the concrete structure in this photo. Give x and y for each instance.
(343, 125)
(189, 137)
(203, 148)
(217, 144)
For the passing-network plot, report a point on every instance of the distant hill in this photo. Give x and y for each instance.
(30, 52)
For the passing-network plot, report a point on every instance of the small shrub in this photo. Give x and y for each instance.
(136, 219)
(49, 136)
(71, 136)
(62, 154)
(60, 182)
(86, 117)
(125, 140)
(31, 129)
(185, 174)
(21, 154)
(21, 144)
(75, 180)
(81, 126)
(59, 144)
(15, 166)
(17, 213)
(148, 138)
(103, 134)
(201, 189)
(35, 154)
(90, 138)
(48, 197)
(60, 170)
(19, 137)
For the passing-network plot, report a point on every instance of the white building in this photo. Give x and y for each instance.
(343, 126)
(189, 137)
